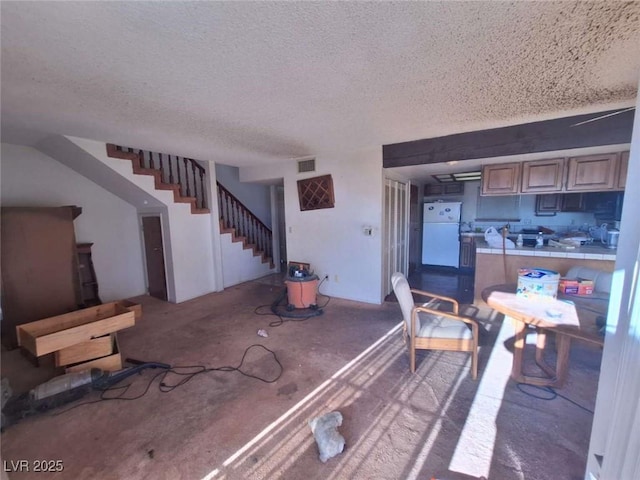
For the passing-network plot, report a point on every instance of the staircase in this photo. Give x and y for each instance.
(244, 226)
(186, 178)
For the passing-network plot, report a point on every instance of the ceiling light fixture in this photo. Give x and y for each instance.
(457, 177)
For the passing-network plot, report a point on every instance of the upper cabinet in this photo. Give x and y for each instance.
(542, 176)
(451, 188)
(587, 173)
(622, 171)
(593, 172)
(501, 179)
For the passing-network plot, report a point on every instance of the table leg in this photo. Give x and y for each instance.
(541, 342)
(557, 376)
(562, 363)
(518, 349)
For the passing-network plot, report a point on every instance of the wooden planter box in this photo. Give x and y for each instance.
(62, 331)
(109, 363)
(136, 308)
(83, 351)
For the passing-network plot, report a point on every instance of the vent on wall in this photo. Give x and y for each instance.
(305, 166)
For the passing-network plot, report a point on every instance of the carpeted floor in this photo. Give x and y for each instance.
(435, 423)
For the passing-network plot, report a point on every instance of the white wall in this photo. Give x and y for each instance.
(332, 239)
(254, 196)
(614, 433)
(31, 178)
(188, 250)
(239, 264)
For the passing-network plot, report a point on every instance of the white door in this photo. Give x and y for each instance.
(396, 231)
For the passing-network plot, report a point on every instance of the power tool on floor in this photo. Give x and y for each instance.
(68, 388)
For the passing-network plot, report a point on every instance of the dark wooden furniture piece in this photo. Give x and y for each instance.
(567, 320)
(39, 266)
(88, 279)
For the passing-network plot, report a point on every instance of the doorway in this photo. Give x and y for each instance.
(282, 229)
(395, 231)
(415, 244)
(154, 257)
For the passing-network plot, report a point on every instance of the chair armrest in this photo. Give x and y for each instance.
(452, 316)
(441, 297)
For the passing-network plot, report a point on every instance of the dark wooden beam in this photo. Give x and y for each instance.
(548, 135)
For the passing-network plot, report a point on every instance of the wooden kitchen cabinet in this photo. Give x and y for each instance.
(467, 252)
(451, 188)
(587, 173)
(593, 172)
(560, 202)
(542, 175)
(573, 202)
(548, 204)
(501, 179)
(622, 171)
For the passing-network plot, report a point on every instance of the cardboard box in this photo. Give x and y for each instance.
(575, 286)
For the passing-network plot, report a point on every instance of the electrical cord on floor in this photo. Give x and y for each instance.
(188, 372)
(552, 395)
(287, 316)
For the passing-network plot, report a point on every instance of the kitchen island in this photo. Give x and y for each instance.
(490, 263)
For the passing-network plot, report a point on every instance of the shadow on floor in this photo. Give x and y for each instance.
(446, 281)
(437, 422)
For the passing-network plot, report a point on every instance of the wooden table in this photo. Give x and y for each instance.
(568, 317)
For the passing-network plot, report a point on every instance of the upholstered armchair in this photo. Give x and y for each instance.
(428, 328)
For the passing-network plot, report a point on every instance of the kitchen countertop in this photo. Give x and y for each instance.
(588, 252)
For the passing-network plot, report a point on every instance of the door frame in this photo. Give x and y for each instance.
(170, 291)
(399, 261)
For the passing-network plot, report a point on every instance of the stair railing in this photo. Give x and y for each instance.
(235, 215)
(184, 172)
(189, 177)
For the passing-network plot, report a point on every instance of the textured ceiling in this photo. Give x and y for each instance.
(244, 83)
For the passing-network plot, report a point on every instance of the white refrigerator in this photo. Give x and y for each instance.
(441, 234)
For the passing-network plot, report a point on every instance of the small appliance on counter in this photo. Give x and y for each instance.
(607, 236)
(611, 238)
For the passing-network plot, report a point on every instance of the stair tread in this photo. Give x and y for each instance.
(181, 199)
(168, 186)
(160, 184)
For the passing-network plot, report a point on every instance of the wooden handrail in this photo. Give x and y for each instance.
(236, 215)
(188, 173)
(187, 178)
